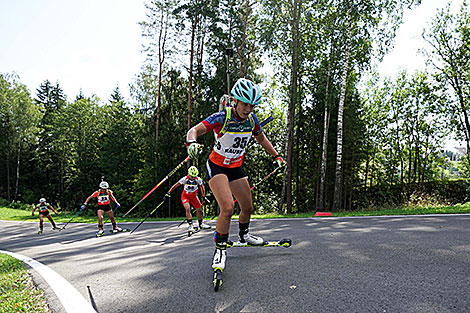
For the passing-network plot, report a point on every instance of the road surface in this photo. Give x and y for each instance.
(377, 264)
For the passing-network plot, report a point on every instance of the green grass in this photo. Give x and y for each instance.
(415, 210)
(17, 292)
(89, 216)
(22, 215)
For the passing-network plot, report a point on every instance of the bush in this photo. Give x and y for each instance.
(17, 205)
(435, 193)
(4, 202)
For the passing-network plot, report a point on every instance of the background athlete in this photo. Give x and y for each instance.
(192, 183)
(233, 128)
(104, 196)
(43, 208)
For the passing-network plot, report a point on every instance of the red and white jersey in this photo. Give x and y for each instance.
(190, 185)
(104, 197)
(43, 207)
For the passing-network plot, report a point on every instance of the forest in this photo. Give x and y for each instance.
(352, 139)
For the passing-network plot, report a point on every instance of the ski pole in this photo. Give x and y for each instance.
(266, 121)
(63, 227)
(275, 170)
(157, 185)
(158, 206)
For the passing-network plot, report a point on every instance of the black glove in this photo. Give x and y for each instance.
(166, 196)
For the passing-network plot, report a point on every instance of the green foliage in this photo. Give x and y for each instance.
(433, 193)
(393, 129)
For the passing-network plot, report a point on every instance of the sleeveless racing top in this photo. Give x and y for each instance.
(43, 207)
(103, 196)
(232, 137)
(190, 186)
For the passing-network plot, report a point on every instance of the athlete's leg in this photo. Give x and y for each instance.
(241, 190)
(187, 209)
(100, 218)
(110, 213)
(223, 195)
(199, 214)
(41, 221)
(49, 217)
(197, 205)
(111, 216)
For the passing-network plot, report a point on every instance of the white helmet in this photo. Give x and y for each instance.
(104, 185)
(42, 200)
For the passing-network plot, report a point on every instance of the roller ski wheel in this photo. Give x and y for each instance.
(40, 232)
(217, 279)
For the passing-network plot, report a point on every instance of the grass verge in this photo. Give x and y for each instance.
(17, 291)
(22, 215)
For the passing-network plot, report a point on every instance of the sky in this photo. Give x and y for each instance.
(95, 45)
(409, 40)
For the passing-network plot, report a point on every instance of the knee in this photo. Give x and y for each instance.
(247, 209)
(226, 208)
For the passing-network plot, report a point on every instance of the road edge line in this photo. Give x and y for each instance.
(72, 300)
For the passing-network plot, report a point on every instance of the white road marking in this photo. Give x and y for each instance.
(71, 299)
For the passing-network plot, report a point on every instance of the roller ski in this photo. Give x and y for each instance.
(100, 233)
(40, 232)
(192, 230)
(218, 265)
(281, 243)
(119, 230)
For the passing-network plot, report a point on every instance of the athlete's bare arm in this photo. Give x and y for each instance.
(196, 131)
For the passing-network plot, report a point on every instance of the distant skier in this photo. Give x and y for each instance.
(44, 207)
(192, 183)
(104, 195)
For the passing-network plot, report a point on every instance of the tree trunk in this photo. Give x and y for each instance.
(293, 96)
(463, 108)
(367, 168)
(338, 194)
(8, 171)
(191, 61)
(17, 170)
(326, 125)
(242, 46)
(61, 181)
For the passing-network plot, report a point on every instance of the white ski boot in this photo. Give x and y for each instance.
(204, 226)
(218, 261)
(190, 230)
(117, 229)
(251, 240)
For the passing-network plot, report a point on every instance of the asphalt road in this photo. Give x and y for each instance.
(380, 264)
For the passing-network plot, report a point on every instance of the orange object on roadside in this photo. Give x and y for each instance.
(323, 214)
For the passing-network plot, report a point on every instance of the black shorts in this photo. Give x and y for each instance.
(45, 213)
(105, 207)
(231, 173)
